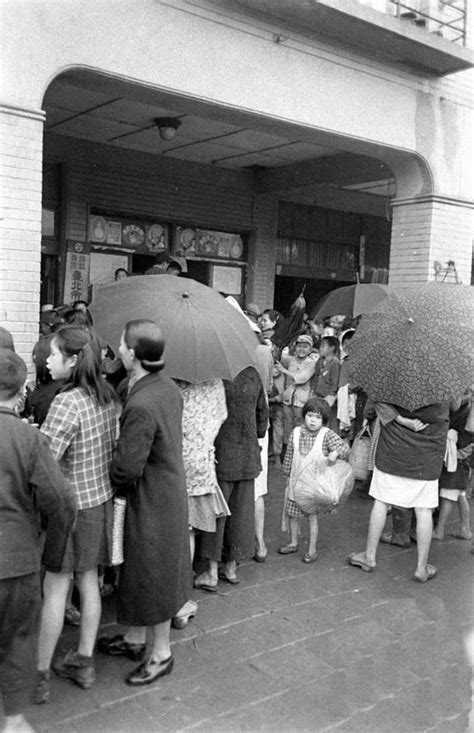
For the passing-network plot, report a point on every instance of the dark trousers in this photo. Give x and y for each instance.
(234, 538)
(20, 605)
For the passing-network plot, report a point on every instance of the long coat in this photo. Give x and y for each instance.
(155, 579)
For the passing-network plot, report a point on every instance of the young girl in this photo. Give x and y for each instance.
(310, 442)
(81, 427)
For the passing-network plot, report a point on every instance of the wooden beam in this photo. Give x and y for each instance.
(342, 170)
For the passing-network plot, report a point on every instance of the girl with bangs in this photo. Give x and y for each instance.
(81, 426)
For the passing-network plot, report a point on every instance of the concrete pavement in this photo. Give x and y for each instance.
(321, 647)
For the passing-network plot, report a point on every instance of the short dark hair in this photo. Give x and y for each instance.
(332, 341)
(273, 315)
(12, 374)
(317, 404)
(145, 338)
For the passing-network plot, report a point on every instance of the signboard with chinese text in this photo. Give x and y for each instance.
(76, 278)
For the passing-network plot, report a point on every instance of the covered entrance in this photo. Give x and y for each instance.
(148, 172)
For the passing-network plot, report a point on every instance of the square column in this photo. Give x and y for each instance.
(427, 232)
(262, 252)
(21, 175)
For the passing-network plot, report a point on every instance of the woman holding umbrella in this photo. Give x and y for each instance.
(402, 355)
(155, 580)
(408, 462)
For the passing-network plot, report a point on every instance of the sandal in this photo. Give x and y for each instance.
(287, 549)
(310, 556)
(431, 571)
(204, 583)
(358, 560)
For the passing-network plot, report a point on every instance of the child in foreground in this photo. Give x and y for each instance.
(312, 442)
(32, 487)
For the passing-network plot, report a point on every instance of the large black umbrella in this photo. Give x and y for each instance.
(351, 300)
(417, 348)
(205, 337)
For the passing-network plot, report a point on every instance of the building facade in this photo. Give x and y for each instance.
(269, 144)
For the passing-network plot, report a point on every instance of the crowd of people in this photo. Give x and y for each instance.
(187, 466)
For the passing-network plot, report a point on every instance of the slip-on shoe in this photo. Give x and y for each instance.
(116, 646)
(149, 671)
(203, 585)
(232, 581)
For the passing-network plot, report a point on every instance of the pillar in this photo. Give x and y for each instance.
(21, 156)
(262, 252)
(427, 233)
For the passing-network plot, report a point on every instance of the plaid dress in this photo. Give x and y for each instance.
(331, 442)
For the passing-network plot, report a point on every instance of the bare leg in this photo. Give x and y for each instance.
(313, 533)
(465, 517)
(55, 588)
(259, 526)
(159, 638)
(444, 514)
(294, 528)
(91, 609)
(424, 528)
(192, 543)
(135, 635)
(231, 569)
(377, 521)
(69, 593)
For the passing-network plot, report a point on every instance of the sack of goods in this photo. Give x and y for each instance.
(320, 489)
(359, 455)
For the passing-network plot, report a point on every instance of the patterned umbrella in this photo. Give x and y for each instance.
(418, 347)
(205, 337)
(351, 300)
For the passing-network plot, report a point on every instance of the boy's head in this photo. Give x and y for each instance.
(12, 375)
(329, 346)
(303, 346)
(317, 406)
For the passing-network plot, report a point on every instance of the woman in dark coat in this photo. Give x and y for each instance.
(155, 579)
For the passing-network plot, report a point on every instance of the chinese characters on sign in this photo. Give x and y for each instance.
(76, 281)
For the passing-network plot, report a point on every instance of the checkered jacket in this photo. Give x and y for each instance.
(82, 436)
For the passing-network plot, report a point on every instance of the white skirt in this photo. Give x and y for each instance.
(403, 491)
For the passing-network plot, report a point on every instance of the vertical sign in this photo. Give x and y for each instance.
(76, 279)
(362, 257)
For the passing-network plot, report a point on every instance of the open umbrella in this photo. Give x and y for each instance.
(351, 300)
(417, 348)
(205, 337)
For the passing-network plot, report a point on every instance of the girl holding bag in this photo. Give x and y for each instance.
(310, 443)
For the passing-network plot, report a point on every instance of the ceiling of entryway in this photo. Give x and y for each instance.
(109, 111)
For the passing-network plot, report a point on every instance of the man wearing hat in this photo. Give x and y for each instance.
(298, 370)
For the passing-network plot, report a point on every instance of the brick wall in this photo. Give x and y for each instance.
(21, 153)
(429, 230)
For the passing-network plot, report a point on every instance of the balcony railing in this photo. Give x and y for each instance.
(445, 18)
